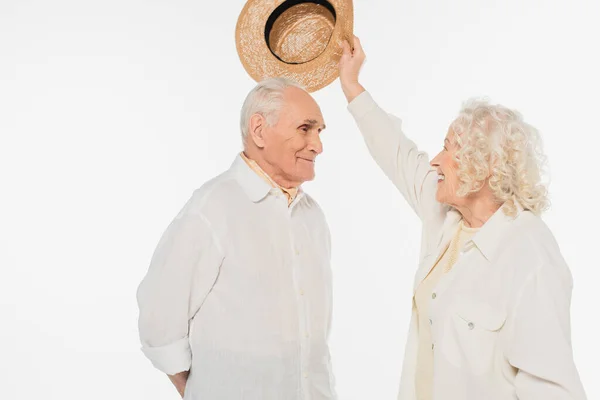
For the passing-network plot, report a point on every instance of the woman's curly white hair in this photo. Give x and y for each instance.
(495, 142)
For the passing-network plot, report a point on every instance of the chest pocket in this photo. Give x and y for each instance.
(471, 337)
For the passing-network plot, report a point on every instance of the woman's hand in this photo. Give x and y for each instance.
(350, 64)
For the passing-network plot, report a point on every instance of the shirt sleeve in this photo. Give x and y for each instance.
(183, 269)
(540, 343)
(398, 157)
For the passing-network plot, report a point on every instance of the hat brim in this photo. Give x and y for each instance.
(260, 63)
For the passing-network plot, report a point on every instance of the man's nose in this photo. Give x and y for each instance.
(315, 144)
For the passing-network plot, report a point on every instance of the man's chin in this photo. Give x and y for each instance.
(308, 177)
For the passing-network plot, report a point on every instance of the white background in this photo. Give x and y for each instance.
(112, 112)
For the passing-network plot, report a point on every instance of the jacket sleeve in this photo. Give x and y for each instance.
(404, 164)
(183, 269)
(540, 341)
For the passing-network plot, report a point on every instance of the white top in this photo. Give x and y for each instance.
(239, 290)
(424, 371)
(500, 318)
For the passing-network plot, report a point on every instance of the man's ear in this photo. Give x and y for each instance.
(258, 124)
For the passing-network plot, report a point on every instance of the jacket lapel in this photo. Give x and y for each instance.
(448, 230)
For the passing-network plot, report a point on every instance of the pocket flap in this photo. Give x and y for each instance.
(482, 315)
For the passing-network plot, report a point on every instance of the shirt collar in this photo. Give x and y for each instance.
(256, 183)
(255, 187)
(490, 236)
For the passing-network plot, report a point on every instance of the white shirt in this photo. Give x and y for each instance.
(500, 317)
(239, 290)
(424, 367)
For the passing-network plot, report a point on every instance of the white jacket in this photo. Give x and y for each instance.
(501, 316)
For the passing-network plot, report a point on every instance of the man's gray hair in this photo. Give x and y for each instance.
(265, 99)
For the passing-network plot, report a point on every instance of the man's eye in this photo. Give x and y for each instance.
(304, 128)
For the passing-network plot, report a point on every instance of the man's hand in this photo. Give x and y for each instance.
(349, 66)
(179, 380)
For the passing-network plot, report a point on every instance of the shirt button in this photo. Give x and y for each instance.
(297, 252)
(305, 375)
(471, 325)
(306, 334)
(301, 292)
(433, 295)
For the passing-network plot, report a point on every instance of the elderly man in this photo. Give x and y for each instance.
(237, 301)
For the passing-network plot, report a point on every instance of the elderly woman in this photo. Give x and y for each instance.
(491, 305)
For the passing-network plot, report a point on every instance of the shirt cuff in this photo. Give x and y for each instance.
(361, 105)
(172, 358)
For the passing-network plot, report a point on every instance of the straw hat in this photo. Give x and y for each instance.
(296, 39)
